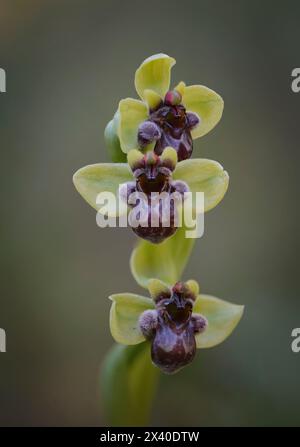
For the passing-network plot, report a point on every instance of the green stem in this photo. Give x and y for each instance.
(129, 382)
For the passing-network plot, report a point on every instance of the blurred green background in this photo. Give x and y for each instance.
(68, 63)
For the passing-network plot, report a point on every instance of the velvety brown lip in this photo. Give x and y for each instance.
(171, 329)
(169, 125)
(153, 174)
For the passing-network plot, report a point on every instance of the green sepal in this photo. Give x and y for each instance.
(125, 311)
(113, 143)
(222, 317)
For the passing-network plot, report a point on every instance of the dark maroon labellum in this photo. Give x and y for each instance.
(172, 347)
(154, 175)
(173, 129)
(156, 235)
(171, 329)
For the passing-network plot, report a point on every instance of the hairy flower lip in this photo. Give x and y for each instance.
(153, 175)
(169, 125)
(171, 327)
(155, 235)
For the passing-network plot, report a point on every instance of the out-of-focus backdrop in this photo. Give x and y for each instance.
(68, 63)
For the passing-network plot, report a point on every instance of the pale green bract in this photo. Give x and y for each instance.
(112, 141)
(165, 261)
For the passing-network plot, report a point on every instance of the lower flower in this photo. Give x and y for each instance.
(176, 321)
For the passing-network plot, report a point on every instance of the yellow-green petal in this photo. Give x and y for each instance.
(132, 113)
(154, 74)
(91, 180)
(158, 288)
(180, 87)
(134, 157)
(169, 154)
(222, 318)
(193, 286)
(165, 261)
(124, 317)
(152, 98)
(202, 175)
(207, 104)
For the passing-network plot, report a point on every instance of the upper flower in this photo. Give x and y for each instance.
(163, 117)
